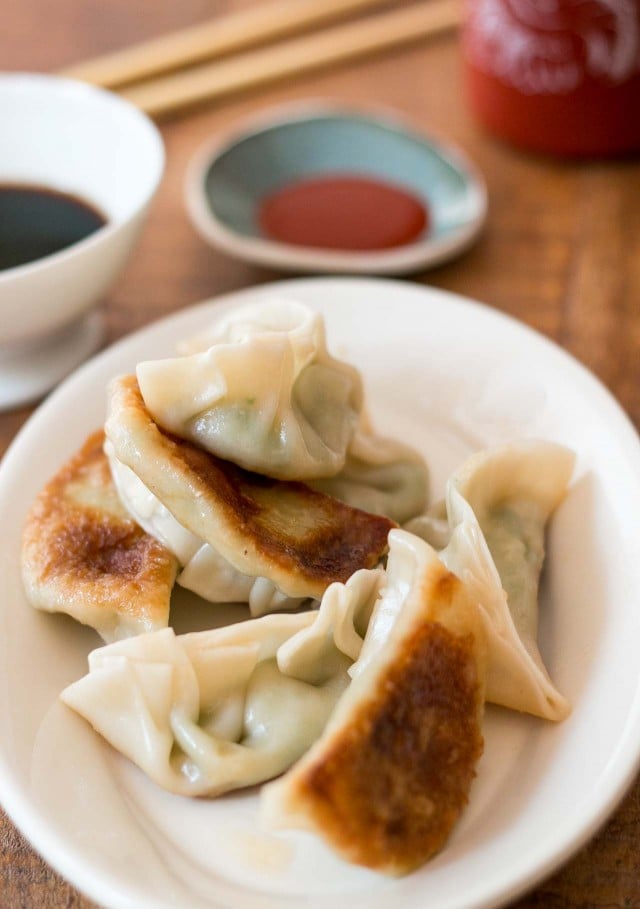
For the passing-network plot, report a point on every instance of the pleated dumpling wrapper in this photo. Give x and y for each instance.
(260, 389)
(497, 507)
(387, 780)
(83, 554)
(212, 711)
(297, 539)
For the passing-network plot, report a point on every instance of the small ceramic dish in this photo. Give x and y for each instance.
(77, 139)
(230, 176)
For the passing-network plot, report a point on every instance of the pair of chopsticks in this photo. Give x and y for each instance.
(179, 71)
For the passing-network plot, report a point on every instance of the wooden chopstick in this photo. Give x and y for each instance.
(228, 34)
(172, 94)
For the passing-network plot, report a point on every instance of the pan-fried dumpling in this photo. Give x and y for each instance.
(380, 475)
(295, 537)
(385, 489)
(82, 554)
(216, 710)
(261, 390)
(498, 505)
(389, 777)
(203, 570)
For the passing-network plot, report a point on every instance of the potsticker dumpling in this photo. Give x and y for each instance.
(295, 537)
(212, 711)
(497, 506)
(260, 389)
(387, 780)
(83, 554)
(382, 487)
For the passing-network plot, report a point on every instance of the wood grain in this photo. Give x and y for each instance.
(561, 252)
(221, 36)
(179, 93)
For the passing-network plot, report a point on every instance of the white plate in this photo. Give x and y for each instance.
(449, 376)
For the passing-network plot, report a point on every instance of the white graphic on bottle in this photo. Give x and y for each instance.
(549, 46)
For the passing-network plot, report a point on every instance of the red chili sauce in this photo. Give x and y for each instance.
(343, 211)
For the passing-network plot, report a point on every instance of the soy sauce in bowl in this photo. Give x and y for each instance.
(36, 221)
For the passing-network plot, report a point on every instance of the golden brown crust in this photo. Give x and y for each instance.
(394, 783)
(301, 539)
(82, 553)
(390, 776)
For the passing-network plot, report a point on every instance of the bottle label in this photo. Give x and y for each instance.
(551, 47)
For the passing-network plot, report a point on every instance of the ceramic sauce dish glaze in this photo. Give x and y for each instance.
(229, 180)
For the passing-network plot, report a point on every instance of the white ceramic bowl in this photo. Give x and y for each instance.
(88, 142)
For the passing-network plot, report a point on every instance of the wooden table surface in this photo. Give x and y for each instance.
(561, 252)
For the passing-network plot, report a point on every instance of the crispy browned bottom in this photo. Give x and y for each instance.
(390, 776)
(82, 553)
(300, 539)
(393, 785)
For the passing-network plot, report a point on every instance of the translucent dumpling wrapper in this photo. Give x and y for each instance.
(212, 711)
(260, 389)
(433, 526)
(380, 475)
(386, 782)
(497, 508)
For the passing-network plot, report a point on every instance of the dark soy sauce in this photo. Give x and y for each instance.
(36, 222)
